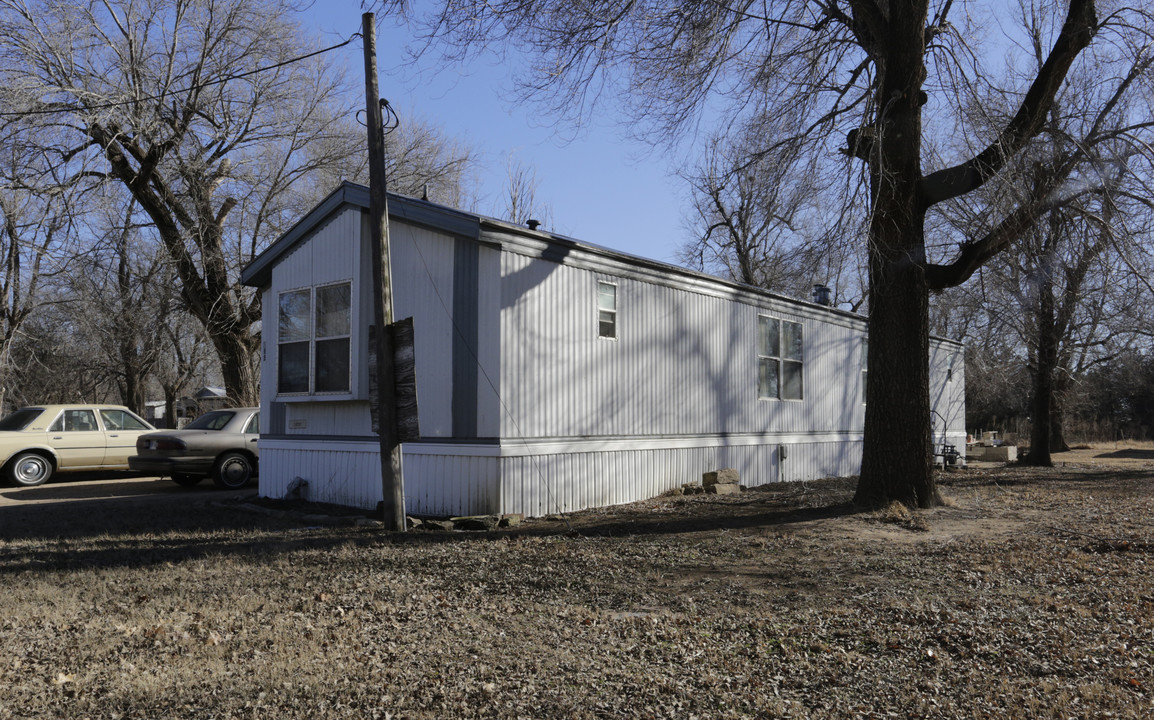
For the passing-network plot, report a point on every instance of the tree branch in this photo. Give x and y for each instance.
(1076, 33)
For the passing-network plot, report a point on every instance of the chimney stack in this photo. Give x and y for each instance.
(822, 295)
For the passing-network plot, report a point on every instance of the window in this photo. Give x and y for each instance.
(293, 334)
(21, 418)
(606, 310)
(215, 420)
(75, 421)
(120, 420)
(950, 368)
(865, 366)
(314, 331)
(779, 359)
(332, 343)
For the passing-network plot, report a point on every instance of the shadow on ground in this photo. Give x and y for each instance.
(1128, 454)
(164, 523)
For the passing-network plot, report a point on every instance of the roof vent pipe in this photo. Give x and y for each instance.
(822, 296)
(533, 224)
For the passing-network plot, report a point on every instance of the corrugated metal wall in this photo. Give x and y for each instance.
(541, 484)
(684, 362)
(948, 393)
(449, 480)
(337, 472)
(423, 289)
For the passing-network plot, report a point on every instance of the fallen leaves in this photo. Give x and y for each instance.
(765, 604)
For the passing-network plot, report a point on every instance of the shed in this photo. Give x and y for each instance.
(552, 374)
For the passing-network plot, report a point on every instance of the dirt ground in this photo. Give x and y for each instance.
(1028, 595)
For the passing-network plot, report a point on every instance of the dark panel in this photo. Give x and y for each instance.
(466, 271)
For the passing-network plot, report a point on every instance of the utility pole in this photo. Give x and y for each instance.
(392, 482)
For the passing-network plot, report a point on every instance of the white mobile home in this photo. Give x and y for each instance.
(552, 375)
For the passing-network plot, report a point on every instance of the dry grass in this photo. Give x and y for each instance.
(1030, 596)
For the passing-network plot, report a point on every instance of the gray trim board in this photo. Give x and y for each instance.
(466, 287)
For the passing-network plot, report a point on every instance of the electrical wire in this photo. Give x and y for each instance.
(161, 96)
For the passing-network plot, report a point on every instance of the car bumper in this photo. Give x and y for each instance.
(171, 465)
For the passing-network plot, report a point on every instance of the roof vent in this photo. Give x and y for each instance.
(533, 224)
(822, 295)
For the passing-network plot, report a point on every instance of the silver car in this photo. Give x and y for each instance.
(221, 444)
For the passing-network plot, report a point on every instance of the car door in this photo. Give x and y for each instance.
(122, 429)
(77, 438)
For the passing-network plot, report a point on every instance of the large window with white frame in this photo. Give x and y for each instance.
(314, 333)
(780, 358)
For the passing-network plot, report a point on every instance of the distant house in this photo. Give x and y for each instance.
(552, 374)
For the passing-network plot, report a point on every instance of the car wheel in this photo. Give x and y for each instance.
(233, 471)
(28, 469)
(186, 480)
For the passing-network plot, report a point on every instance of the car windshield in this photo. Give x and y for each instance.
(215, 420)
(20, 419)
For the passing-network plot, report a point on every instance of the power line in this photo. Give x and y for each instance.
(161, 96)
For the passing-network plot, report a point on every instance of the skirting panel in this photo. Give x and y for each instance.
(446, 480)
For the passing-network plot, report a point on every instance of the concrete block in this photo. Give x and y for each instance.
(728, 476)
(1003, 453)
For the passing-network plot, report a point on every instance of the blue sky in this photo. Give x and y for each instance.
(602, 187)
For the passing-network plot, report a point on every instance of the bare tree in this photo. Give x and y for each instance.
(862, 70)
(758, 217)
(117, 288)
(421, 160)
(182, 358)
(1091, 163)
(37, 212)
(210, 114)
(521, 201)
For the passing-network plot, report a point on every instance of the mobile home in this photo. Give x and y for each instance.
(552, 374)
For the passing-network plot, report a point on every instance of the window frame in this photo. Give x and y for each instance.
(611, 313)
(310, 338)
(774, 351)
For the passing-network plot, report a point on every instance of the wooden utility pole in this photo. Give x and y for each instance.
(392, 483)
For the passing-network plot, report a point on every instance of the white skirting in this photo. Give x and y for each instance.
(539, 478)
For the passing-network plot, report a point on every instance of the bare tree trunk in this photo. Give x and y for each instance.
(1046, 359)
(897, 461)
(1057, 425)
(236, 351)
